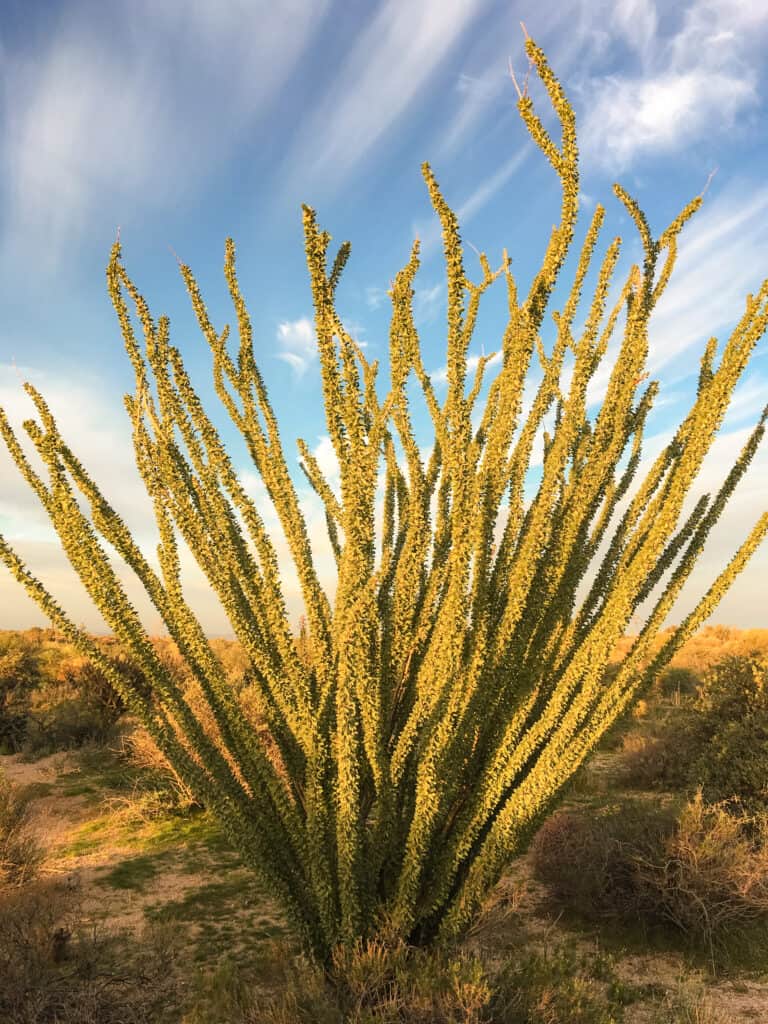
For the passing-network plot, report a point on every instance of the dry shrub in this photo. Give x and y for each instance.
(703, 872)
(75, 704)
(689, 1004)
(714, 643)
(19, 675)
(158, 776)
(585, 859)
(20, 853)
(232, 656)
(57, 968)
(371, 983)
(710, 880)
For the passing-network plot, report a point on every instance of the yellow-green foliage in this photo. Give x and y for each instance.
(423, 725)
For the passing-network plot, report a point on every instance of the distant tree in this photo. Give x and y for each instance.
(430, 719)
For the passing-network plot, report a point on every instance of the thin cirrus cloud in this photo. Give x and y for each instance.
(723, 253)
(427, 301)
(429, 232)
(477, 95)
(722, 256)
(101, 115)
(388, 67)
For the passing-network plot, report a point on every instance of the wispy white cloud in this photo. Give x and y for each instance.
(477, 95)
(389, 65)
(440, 375)
(688, 85)
(325, 454)
(99, 117)
(299, 343)
(723, 253)
(636, 22)
(375, 297)
(427, 303)
(748, 401)
(633, 116)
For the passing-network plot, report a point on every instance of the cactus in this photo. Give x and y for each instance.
(423, 726)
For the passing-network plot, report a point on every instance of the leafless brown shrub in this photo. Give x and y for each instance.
(20, 853)
(710, 880)
(58, 968)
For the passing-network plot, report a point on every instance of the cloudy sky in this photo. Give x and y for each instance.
(187, 121)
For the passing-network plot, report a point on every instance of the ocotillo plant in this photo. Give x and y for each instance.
(429, 718)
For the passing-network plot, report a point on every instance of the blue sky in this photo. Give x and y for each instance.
(187, 122)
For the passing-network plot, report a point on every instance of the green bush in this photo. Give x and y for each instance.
(19, 675)
(717, 741)
(732, 761)
(676, 683)
(77, 705)
(658, 753)
(98, 692)
(65, 724)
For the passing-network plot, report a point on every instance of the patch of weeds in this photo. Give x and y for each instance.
(36, 790)
(619, 937)
(212, 901)
(220, 995)
(199, 828)
(87, 838)
(102, 768)
(745, 953)
(555, 986)
(20, 852)
(601, 966)
(689, 1004)
(133, 873)
(79, 789)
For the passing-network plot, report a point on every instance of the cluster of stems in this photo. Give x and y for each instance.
(427, 721)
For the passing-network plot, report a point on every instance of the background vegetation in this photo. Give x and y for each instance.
(640, 900)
